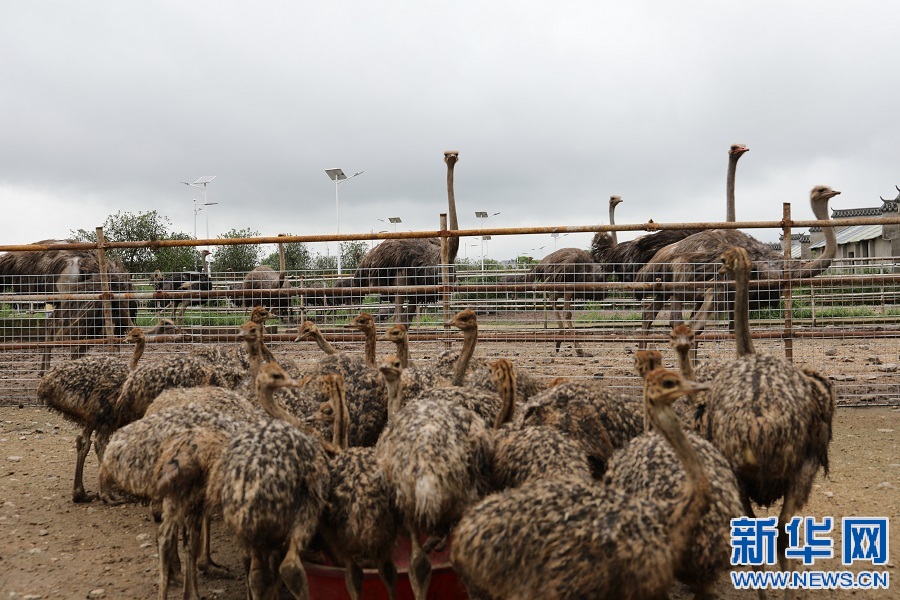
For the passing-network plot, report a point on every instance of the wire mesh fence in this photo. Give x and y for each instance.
(843, 323)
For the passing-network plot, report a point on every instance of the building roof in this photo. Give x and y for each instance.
(853, 233)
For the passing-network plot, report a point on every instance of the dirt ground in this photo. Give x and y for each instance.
(52, 548)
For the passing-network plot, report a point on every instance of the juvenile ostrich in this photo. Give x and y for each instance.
(359, 523)
(568, 538)
(272, 483)
(591, 414)
(366, 323)
(83, 390)
(436, 457)
(409, 262)
(148, 380)
(649, 468)
(310, 331)
(181, 281)
(184, 461)
(791, 410)
(694, 260)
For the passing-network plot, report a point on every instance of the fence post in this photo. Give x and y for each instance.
(445, 276)
(105, 294)
(787, 292)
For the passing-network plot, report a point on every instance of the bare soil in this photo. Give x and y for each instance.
(52, 548)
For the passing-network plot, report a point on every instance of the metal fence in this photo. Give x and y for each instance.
(844, 323)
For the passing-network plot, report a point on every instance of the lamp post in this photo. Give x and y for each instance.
(555, 237)
(480, 214)
(338, 177)
(201, 184)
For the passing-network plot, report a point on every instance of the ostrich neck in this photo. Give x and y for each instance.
(452, 223)
(742, 313)
(694, 499)
(729, 188)
(323, 343)
(139, 347)
(815, 266)
(264, 353)
(684, 362)
(341, 435)
(266, 396)
(253, 355)
(370, 347)
(403, 352)
(470, 338)
(612, 221)
(393, 389)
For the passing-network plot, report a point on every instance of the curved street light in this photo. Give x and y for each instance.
(338, 177)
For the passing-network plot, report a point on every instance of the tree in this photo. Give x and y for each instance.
(297, 257)
(352, 253)
(143, 226)
(237, 258)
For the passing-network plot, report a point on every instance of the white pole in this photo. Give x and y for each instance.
(337, 208)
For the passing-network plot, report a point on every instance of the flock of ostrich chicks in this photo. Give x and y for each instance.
(542, 489)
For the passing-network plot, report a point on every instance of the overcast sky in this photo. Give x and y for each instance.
(553, 106)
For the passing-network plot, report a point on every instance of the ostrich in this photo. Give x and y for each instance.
(649, 468)
(566, 267)
(181, 282)
(694, 260)
(734, 154)
(184, 463)
(409, 262)
(260, 280)
(272, 484)
(568, 538)
(791, 410)
(83, 390)
(359, 522)
(436, 457)
(590, 413)
(366, 323)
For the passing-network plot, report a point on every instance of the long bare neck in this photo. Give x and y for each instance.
(452, 222)
(403, 351)
(266, 396)
(815, 266)
(729, 188)
(394, 391)
(253, 354)
(742, 312)
(612, 221)
(139, 346)
(470, 339)
(694, 500)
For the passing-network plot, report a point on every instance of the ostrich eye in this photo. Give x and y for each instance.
(669, 383)
(327, 411)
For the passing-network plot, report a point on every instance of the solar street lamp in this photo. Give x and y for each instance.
(338, 177)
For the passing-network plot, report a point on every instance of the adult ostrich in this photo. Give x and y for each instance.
(694, 260)
(260, 280)
(410, 262)
(75, 271)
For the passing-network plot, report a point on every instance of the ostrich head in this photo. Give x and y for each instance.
(249, 332)
(362, 322)
(614, 200)
(395, 333)
(465, 320)
(307, 330)
(646, 361)
(390, 368)
(663, 387)
(450, 157)
(821, 194)
(681, 338)
(737, 150)
(259, 314)
(135, 335)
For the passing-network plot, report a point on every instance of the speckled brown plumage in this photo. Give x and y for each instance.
(598, 418)
(83, 391)
(770, 419)
(436, 456)
(360, 524)
(272, 482)
(647, 466)
(536, 452)
(570, 538)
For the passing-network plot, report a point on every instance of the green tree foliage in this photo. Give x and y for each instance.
(240, 258)
(143, 226)
(352, 253)
(297, 257)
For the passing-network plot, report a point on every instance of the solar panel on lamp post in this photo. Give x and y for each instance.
(338, 177)
(393, 221)
(201, 184)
